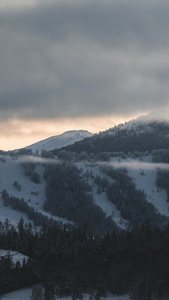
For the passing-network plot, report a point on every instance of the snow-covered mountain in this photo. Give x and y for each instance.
(11, 171)
(59, 141)
(145, 121)
(142, 134)
(128, 143)
(118, 179)
(142, 171)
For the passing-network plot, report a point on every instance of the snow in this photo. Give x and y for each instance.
(144, 173)
(16, 256)
(154, 116)
(109, 208)
(55, 218)
(59, 141)
(24, 294)
(12, 215)
(100, 199)
(109, 297)
(34, 194)
(10, 171)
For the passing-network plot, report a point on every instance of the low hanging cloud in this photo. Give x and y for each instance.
(139, 165)
(83, 58)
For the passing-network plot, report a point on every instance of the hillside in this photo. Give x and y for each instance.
(76, 181)
(34, 194)
(94, 220)
(59, 141)
(98, 199)
(55, 188)
(142, 134)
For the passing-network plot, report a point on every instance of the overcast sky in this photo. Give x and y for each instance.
(76, 64)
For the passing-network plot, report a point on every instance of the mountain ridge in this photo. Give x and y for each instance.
(66, 140)
(109, 210)
(59, 141)
(122, 142)
(141, 134)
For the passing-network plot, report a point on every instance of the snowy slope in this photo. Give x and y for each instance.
(101, 200)
(109, 208)
(34, 194)
(16, 256)
(155, 116)
(25, 294)
(140, 125)
(59, 141)
(142, 171)
(144, 174)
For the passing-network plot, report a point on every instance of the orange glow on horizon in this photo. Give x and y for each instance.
(17, 134)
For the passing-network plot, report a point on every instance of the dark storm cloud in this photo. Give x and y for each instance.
(110, 22)
(79, 58)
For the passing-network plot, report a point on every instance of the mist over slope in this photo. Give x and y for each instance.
(100, 204)
(76, 181)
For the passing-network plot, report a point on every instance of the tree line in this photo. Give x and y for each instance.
(130, 201)
(68, 195)
(21, 205)
(73, 262)
(146, 137)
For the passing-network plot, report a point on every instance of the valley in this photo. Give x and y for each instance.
(142, 171)
(84, 202)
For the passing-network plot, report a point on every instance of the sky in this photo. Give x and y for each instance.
(79, 64)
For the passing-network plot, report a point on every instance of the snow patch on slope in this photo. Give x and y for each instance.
(59, 141)
(101, 200)
(15, 255)
(34, 194)
(25, 294)
(143, 123)
(144, 173)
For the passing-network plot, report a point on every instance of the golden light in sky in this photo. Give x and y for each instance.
(15, 134)
(66, 65)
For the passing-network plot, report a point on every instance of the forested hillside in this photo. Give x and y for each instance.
(74, 262)
(92, 218)
(127, 138)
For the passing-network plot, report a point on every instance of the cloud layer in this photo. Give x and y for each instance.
(84, 58)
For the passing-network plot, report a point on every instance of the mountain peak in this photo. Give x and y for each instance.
(59, 141)
(154, 116)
